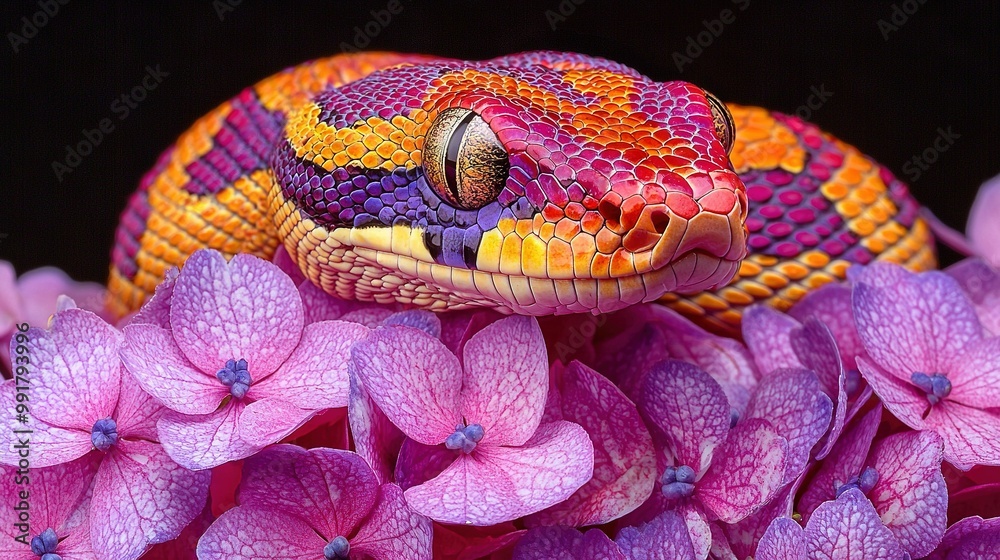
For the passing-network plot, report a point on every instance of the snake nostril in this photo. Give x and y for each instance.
(660, 219)
(610, 211)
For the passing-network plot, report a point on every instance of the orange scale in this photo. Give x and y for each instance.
(591, 222)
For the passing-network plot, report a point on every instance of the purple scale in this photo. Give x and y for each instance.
(445, 214)
(387, 198)
(359, 197)
(386, 215)
(346, 201)
(373, 189)
(401, 193)
(372, 205)
(488, 216)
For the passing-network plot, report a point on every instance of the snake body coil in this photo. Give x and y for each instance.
(539, 183)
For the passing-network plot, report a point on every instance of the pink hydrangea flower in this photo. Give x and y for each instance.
(485, 411)
(981, 284)
(847, 527)
(317, 503)
(972, 538)
(237, 367)
(983, 227)
(930, 362)
(83, 402)
(53, 516)
(655, 540)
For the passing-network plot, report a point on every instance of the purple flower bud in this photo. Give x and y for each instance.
(337, 549)
(868, 479)
(852, 381)
(685, 474)
(236, 376)
(45, 543)
(465, 438)
(937, 386)
(51, 556)
(734, 417)
(104, 434)
(677, 482)
(677, 490)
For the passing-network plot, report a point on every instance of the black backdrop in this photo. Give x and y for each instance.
(894, 75)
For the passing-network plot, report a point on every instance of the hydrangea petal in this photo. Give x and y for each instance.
(783, 540)
(269, 420)
(330, 489)
(832, 305)
(766, 332)
(743, 536)
(922, 324)
(418, 463)
(624, 459)
(983, 228)
(849, 527)
(911, 495)
(244, 533)
(245, 309)
(204, 441)
(503, 483)
(157, 364)
(320, 306)
(816, 348)
(977, 382)
(370, 317)
(689, 408)
(971, 538)
(141, 497)
(393, 530)
(284, 261)
(746, 472)
(418, 319)
(413, 379)
(981, 284)
(455, 542)
(376, 439)
(48, 445)
(77, 371)
(902, 399)
(183, 547)
(506, 380)
(156, 311)
(315, 376)
(971, 436)
(566, 543)
(459, 326)
(663, 538)
(136, 412)
(793, 403)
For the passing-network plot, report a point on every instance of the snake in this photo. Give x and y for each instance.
(539, 183)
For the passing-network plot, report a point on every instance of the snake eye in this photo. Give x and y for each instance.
(725, 127)
(463, 160)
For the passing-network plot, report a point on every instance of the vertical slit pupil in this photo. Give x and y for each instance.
(451, 155)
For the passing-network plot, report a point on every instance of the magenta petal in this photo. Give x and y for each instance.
(204, 441)
(981, 284)
(413, 379)
(911, 495)
(137, 412)
(393, 530)
(498, 484)
(972, 538)
(245, 309)
(923, 324)
(418, 463)
(141, 497)
(250, 533)
(48, 445)
(506, 380)
(983, 228)
(76, 370)
(566, 543)
(315, 376)
(976, 382)
(832, 305)
(624, 457)
(849, 527)
(269, 420)
(783, 540)
(156, 311)
(157, 364)
(663, 538)
(744, 536)
(902, 399)
(971, 436)
(689, 408)
(766, 332)
(793, 402)
(376, 439)
(330, 489)
(745, 473)
(816, 348)
(458, 327)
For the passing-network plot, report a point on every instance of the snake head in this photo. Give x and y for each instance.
(540, 183)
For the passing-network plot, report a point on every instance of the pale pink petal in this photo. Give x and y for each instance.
(971, 436)
(497, 484)
(923, 324)
(270, 420)
(156, 362)
(506, 380)
(136, 412)
(376, 439)
(689, 408)
(76, 370)
(417, 319)
(417, 463)
(972, 538)
(976, 381)
(845, 461)
(46, 445)
(981, 284)
(882, 275)
(246, 309)
(246, 533)
(746, 472)
(850, 528)
(831, 305)
(141, 498)
(766, 332)
(903, 400)
(624, 457)
(393, 530)
(156, 311)
(794, 404)
(911, 495)
(783, 540)
(330, 489)
(983, 228)
(315, 376)
(204, 441)
(663, 538)
(413, 379)
(566, 543)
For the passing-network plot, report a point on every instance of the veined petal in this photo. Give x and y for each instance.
(766, 332)
(663, 538)
(207, 440)
(971, 436)
(783, 540)
(393, 530)
(849, 527)
(248, 533)
(566, 543)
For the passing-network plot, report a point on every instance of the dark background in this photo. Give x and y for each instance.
(892, 89)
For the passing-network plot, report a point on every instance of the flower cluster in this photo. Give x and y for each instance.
(243, 413)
